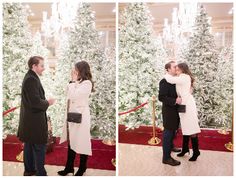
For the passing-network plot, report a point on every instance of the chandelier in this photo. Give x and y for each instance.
(62, 15)
(55, 27)
(182, 22)
(176, 33)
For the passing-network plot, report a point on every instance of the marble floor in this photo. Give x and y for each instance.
(16, 169)
(144, 160)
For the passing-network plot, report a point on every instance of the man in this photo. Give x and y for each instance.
(33, 129)
(170, 115)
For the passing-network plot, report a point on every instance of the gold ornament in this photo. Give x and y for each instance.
(223, 132)
(110, 142)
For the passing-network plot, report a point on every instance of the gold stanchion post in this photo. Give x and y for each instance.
(230, 146)
(113, 161)
(154, 140)
(20, 156)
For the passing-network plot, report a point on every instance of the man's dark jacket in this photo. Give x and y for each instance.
(33, 119)
(167, 95)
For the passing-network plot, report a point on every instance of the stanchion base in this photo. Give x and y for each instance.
(229, 146)
(20, 156)
(154, 141)
(113, 161)
(109, 142)
(223, 132)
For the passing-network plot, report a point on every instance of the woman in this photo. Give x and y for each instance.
(189, 120)
(78, 93)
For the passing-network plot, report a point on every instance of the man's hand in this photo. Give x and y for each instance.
(51, 101)
(178, 100)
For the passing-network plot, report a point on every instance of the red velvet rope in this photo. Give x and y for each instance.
(10, 110)
(122, 113)
(134, 109)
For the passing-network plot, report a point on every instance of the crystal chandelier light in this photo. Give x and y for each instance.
(182, 22)
(175, 34)
(62, 15)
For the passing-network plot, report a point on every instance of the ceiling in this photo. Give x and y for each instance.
(105, 17)
(218, 11)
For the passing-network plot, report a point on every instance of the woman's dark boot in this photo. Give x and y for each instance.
(196, 151)
(69, 163)
(82, 165)
(185, 147)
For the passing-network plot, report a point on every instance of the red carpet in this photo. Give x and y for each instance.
(208, 139)
(101, 158)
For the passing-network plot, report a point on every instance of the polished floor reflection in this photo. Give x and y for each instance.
(16, 169)
(143, 160)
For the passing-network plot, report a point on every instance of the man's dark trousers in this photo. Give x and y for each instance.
(34, 157)
(168, 136)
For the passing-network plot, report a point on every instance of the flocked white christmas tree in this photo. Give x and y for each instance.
(224, 88)
(106, 121)
(202, 57)
(137, 64)
(18, 46)
(83, 43)
(161, 59)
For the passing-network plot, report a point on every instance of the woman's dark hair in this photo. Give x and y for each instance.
(84, 71)
(185, 69)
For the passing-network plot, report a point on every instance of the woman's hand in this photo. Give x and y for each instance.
(74, 75)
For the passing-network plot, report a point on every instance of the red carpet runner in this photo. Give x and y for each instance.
(208, 139)
(101, 159)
